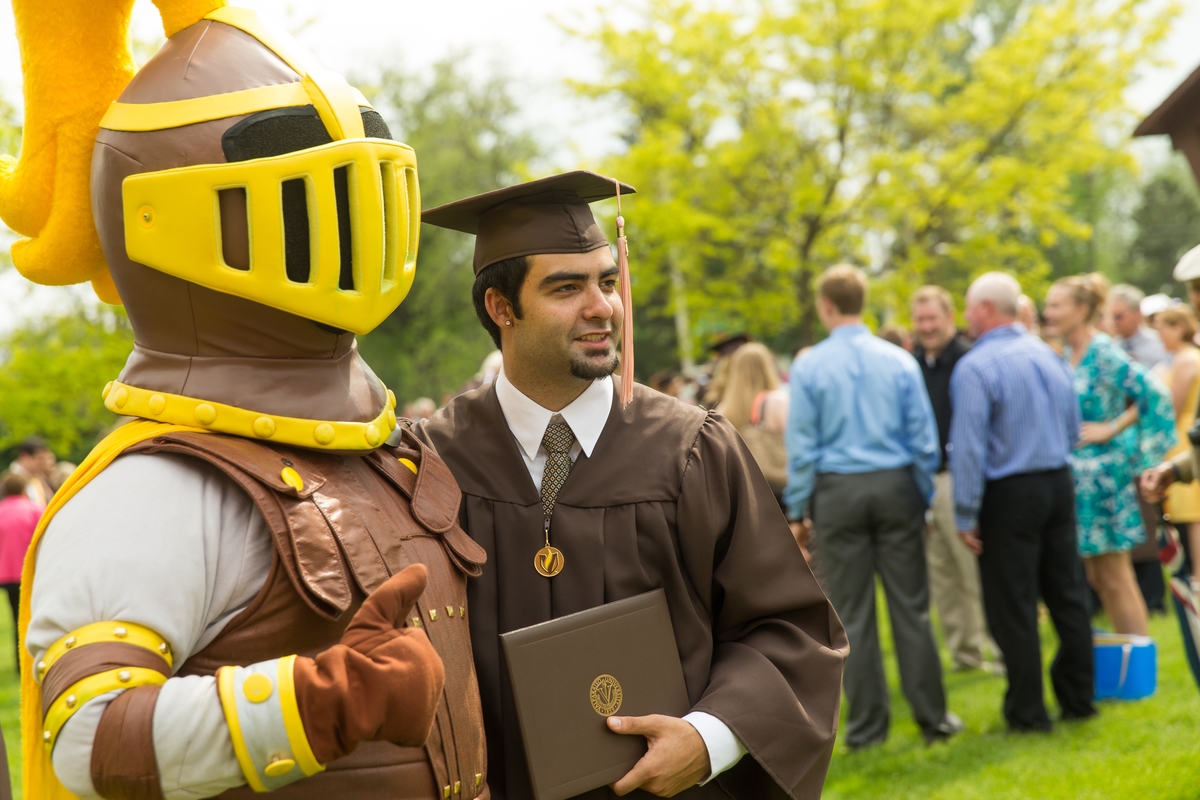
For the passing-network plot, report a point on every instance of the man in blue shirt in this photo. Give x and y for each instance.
(862, 450)
(1016, 419)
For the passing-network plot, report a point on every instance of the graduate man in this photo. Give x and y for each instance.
(580, 500)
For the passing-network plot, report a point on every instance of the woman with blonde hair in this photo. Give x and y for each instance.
(1177, 328)
(756, 405)
(1128, 426)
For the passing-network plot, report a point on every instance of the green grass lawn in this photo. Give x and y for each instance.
(1144, 749)
(10, 698)
(1147, 749)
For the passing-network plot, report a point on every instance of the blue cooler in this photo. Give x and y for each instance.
(1126, 666)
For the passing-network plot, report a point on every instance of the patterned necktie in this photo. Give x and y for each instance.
(557, 440)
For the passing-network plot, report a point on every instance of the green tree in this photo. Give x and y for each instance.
(467, 141)
(51, 373)
(1168, 225)
(1103, 200)
(930, 140)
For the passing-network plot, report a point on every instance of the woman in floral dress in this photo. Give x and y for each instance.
(1128, 426)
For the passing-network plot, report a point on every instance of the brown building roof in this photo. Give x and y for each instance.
(1179, 117)
(1181, 108)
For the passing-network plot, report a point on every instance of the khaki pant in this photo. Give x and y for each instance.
(954, 583)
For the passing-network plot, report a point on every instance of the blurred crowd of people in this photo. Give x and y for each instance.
(982, 471)
(26, 487)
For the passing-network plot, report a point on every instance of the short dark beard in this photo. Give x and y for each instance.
(588, 370)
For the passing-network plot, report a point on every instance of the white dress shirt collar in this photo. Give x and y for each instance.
(587, 414)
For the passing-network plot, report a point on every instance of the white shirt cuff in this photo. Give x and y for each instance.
(724, 749)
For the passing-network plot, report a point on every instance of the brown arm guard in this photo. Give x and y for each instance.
(124, 766)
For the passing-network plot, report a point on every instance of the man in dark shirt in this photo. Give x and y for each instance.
(953, 572)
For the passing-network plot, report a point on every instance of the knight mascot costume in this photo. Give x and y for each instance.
(245, 588)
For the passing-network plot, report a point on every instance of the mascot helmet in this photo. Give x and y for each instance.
(250, 210)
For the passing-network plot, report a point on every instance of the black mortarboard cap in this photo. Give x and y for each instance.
(549, 215)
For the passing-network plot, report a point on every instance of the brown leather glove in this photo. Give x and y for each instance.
(383, 681)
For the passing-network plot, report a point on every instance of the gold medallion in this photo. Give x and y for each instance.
(549, 561)
(606, 695)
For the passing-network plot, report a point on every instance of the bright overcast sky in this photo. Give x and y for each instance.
(519, 36)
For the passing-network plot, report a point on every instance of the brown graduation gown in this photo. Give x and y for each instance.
(670, 498)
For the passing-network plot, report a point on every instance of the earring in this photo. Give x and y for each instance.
(508, 323)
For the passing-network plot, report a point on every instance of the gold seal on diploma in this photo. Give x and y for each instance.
(606, 695)
(549, 561)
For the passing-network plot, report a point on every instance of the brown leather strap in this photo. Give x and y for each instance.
(434, 497)
(92, 659)
(433, 491)
(123, 762)
(301, 535)
(254, 458)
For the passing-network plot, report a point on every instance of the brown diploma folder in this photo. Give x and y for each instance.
(569, 674)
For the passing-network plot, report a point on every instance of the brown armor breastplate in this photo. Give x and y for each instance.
(356, 521)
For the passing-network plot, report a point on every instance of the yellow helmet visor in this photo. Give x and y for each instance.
(173, 224)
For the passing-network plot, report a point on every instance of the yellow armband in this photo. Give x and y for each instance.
(95, 670)
(268, 735)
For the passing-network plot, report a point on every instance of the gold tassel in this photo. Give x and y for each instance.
(627, 303)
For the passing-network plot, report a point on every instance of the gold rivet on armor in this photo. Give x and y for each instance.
(157, 403)
(479, 779)
(462, 611)
(124, 676)
(46, 736)
(41, 666)
(408, 462)
(433, 615)
(449, 611)
(121, 632)
(280, 766)
(258, 688)
(391, 419)
(457, 787)
(374, 437)
(164, 648)
(71, 700)
(445, 789)
(416, 622)
(292, 479)
(146, 216)
(206, 414)
(69, 643)
(264, 427)
(323, 433)
(107, 389)
(121, 397)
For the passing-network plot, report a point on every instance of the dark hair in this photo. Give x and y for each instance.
(31, 446)
(506, 277)
(12, 484)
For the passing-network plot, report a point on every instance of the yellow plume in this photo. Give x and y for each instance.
(75, 59)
